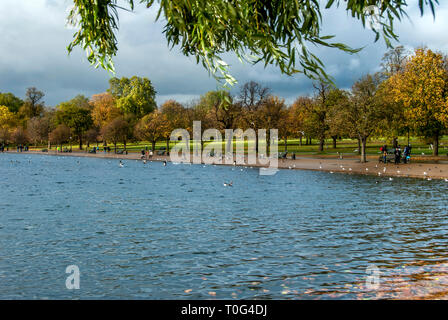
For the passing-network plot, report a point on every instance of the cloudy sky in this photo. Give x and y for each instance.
(34, 40)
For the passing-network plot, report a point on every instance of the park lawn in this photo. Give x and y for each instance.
(344, 146)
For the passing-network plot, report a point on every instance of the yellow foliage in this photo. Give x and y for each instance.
(6, 117)
(422, 87)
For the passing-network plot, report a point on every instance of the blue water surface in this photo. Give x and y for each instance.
(176, 232)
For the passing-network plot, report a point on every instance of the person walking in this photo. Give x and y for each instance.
(385, 156)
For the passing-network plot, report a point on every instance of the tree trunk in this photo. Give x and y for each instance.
(363, 149)
(435, 151)
(124, 144)
(80, 142)
(115, 147)
(300, 141)
(395, 142)
(167, 146)
(334, 141)
(286, 144)
(359, 146)
(153, 145)
(321, 144)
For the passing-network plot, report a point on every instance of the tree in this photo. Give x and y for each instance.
(152, 128)
(92, 136)
(273, 32)
(104, 109)
(298, 113)
(175, 116)
(134, 96)
(337, 101)
(116, 130)
(222, 108)
(11, 101)
(60, 135)
(422, 88)
(6, 117)
(252, 97)
(38, 129)
(34, 105)
(365, 112)
(76, 116)
(274, 115)
(19, 136)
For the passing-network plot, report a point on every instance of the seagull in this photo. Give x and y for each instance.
(446, 180)
(331, 172)
(367, 169)
(429, 179)
(349, 169)
(384, 169)
(121, 164)
(390, 179)
(320, 167)
(144, 161)
(425, 173)
(379, 173)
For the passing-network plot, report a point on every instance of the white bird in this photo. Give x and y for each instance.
(390, 179)
(384, 169)
(349, 169)
(379, 173)
(429, 179)
(425, 173)
(121, 164)
(320, 167)
(331, 172)
(230, 184)
(367, 169)
(446, 180)
(398, 171)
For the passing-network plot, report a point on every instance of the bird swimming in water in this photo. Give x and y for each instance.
(144, 161)
(121, 164)
(230, 184)
(164, 163)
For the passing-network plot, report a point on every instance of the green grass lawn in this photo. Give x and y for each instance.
(344, 146)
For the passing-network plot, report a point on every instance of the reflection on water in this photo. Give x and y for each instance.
(175, 232)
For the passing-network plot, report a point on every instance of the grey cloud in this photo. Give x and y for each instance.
(34, 39)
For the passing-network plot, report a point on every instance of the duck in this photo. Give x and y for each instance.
(230, 184)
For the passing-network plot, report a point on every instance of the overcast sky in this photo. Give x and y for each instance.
(34, 40)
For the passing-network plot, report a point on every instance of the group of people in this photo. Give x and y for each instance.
(398, 154)
(146, 154)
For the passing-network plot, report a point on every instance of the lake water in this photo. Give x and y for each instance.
(175, 232)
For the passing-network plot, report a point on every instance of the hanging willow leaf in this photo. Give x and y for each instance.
(255, 30)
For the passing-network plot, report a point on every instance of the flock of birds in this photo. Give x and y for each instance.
(384, 171)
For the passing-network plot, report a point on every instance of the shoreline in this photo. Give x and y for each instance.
(332, 165)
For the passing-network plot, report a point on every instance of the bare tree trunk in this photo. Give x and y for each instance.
(359, 146)
(80, 142)
(363, 149)
(300, 141)
(435, 151)
(153, 145)
(321, 144)
(334, 141)
(286, 144)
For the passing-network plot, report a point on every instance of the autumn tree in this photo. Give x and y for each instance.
(19, 136)
(60, 135)
(337, 101)
(38, 129)
(135, 96)
(297, 113)
(175, 116)
(116, 130)
(76, 115)
(104, 109)
(152, 127)
(274, 115)
(364, 113)
(422, 88)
